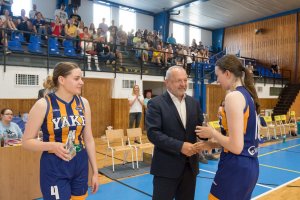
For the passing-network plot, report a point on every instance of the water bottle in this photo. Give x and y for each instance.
(2, 140)
(205, 120)
(283, 139)
(204, 123)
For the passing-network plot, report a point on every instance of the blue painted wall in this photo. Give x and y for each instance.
(217, 39)
(161, 24)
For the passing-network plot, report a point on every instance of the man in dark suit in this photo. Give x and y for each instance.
(171, 121)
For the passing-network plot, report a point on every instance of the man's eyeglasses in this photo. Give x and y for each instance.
(9, 114)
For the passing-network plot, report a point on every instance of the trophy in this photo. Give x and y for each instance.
(70, 145)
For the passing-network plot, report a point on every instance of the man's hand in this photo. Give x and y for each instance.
(188, 149)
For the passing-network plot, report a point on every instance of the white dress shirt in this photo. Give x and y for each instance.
(180, 106)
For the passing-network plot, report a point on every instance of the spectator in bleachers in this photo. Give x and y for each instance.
(121, 38)
(158, 56)
(97, 36)
(206, 55)
(39, 25)
(104, 28)
(10, 129)
(179, 55)
(7, 21)
(71, 30)
(80, 27)
(56, 27)
(130, 37)
(145, 34)
(32, 13)
(61, 13)
(200, 45)
(200, 55)
(92, 30)
(275, 68)
(169, 56)
(189, 62)
(23, 24)
(171, 40)
(113, 35)
(249, 66)
(75, 16)
(145, 55)
(6, 5)
(88, 47)
(194, 44)
(103, 51)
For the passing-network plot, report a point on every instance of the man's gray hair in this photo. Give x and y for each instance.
(169, 71)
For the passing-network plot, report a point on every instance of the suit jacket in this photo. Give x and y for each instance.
(166, 131)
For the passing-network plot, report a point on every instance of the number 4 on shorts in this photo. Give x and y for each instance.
(54, 191)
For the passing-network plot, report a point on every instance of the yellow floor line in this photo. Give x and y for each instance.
(278, 150)
(297, 172)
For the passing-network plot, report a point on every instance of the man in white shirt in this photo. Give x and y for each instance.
(61, 14)
(171, 120)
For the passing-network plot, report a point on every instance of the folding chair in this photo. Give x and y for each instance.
(285, 124)
(117, 135)
(279, 124)
(270, 125)
(137, 133)
(264, 129)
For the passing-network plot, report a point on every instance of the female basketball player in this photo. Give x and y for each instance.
(238, 168)
(65, 120)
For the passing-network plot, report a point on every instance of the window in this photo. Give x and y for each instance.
(127, 19)
(128, 83)
(18, 5)
(99, 12)
(27, 79)
(195, 33)
(178, 33)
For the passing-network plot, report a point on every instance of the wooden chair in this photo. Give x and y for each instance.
(133, 133)
(270, 125)
(115, 143)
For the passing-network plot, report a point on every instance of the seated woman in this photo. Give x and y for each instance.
(10, 129)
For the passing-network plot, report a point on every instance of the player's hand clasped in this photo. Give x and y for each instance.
(60, 151)
(205, 131)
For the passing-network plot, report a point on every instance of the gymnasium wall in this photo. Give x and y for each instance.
(215, 94)
(277, 42)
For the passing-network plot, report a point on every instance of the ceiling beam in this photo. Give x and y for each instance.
(117, 5)
(184, 5)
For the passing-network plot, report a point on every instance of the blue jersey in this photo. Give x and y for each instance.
(60, 179)
(63, 118)
(250, 125)
(237, 174)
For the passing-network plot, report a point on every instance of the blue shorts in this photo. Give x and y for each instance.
(236, 177)
(60, 179)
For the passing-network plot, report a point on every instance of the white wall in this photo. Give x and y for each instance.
(144, 21)
(265, 93)
(46, 7)
(12, 91)
(206, 37)
(86, 12)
